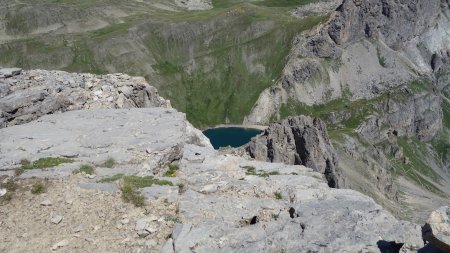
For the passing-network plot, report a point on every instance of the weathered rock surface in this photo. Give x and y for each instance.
(149, 138)
(419, 115)
(221, 203)
(35, 93)
(194, 4)
(298, 140)
(437, 229)
(9, 72)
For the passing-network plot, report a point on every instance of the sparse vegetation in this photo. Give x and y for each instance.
(275, 216)
(111, 179)
(172, 171)
(86, 169)
(173, 218)
(181, 187)
(381, 59)
(131, 184)
(131, 195)
(41, 163)
(11, 187)
(38, 188)
(250, 170)
(109, 163)
(141, 182)
(278, 195)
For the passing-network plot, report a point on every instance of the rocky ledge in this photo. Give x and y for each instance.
(145, 180)
(28, 95)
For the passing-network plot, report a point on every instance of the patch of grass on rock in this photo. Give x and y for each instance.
(87, 169)
(41, 163)
(250, 170)
(111, 179)
(109, 163)
(131, 184)
(141, 182)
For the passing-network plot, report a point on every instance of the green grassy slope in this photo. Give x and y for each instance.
(211, 64)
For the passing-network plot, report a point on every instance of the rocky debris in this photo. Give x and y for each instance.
(93, 223)
(3, 192)
(169, 193)
(56, 219)
(195, 4)
(148, 139)
(35, 93)
(298, 140)
(437, 229)
(9, 72)
(46, 203)
(316, 8)
(60, 244)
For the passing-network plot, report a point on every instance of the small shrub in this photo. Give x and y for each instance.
(275, 216)
(111, 179)
(131, 195)
(172, 171)
(11, 186)
(250, 170)
(109, 163)
(38, 188)
(87, 169)
(278, 195)
(180, 187)
(173, 218)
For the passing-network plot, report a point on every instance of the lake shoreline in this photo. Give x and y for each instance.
(258, 127)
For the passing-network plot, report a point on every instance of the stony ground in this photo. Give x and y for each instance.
(67, 218)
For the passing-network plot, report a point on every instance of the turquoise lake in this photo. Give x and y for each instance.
(230, 136)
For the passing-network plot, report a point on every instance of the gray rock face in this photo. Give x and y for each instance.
(149, 138)
(226, 209)
(9, 72)
(35, 93)
(395, 22)
(298, 140)
(437, 229)
(418, 116)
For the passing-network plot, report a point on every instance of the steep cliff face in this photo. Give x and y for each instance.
(298, 140)
(378, 75)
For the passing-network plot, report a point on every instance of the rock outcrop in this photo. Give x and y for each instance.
(407, 113)
(437, 229)
(150, 138)
(35, 93)
(194, 4)
(223, 203)
(298, 140)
